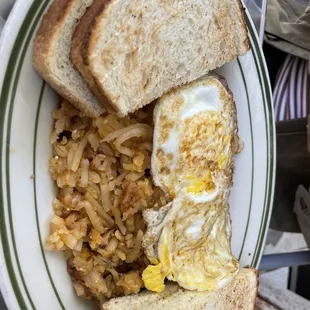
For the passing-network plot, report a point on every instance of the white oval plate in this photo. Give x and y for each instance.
(32, 278)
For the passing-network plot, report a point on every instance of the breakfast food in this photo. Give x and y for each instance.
(78, 50)
(240, 294)
(134, 51)
(121, 55)
(143, 192)
(191, 245)
(101, 168)
(51, 55)
(195, 138)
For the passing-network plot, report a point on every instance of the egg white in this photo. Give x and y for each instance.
(192, 162)
(179, 118)
(194, 245)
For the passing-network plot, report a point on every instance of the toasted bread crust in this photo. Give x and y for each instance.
(246, 41)
(45, 39)
(90, 43)
(80, 46)
(49, 28)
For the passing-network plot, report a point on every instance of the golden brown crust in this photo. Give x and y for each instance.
(48, 30)
(81, 35)
(246, 41)
(43, 48)
(80, 47)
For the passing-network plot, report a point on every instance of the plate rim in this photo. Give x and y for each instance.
(9, 40)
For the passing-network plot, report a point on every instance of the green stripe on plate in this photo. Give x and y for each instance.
(28, 40)
(270, 144)
(257, 249)
(252, 149)
(270, 122)
(3, 108)
(35, 11)
(35, 196)
(34, 15)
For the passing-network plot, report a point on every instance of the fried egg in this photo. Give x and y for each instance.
(195, 138)
(190, 244)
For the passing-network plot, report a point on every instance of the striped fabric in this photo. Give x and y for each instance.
(291, 92)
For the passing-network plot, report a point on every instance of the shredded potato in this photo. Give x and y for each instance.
(101, 167)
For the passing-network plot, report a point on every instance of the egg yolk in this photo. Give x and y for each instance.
(222, 161)
(154, 278)
(198, 185)
(226, 140)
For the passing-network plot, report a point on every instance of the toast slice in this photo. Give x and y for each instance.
(135, 50)
(78, 50)
(51, 55)
(239, 294)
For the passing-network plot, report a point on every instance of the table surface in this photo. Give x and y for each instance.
(257, 9)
